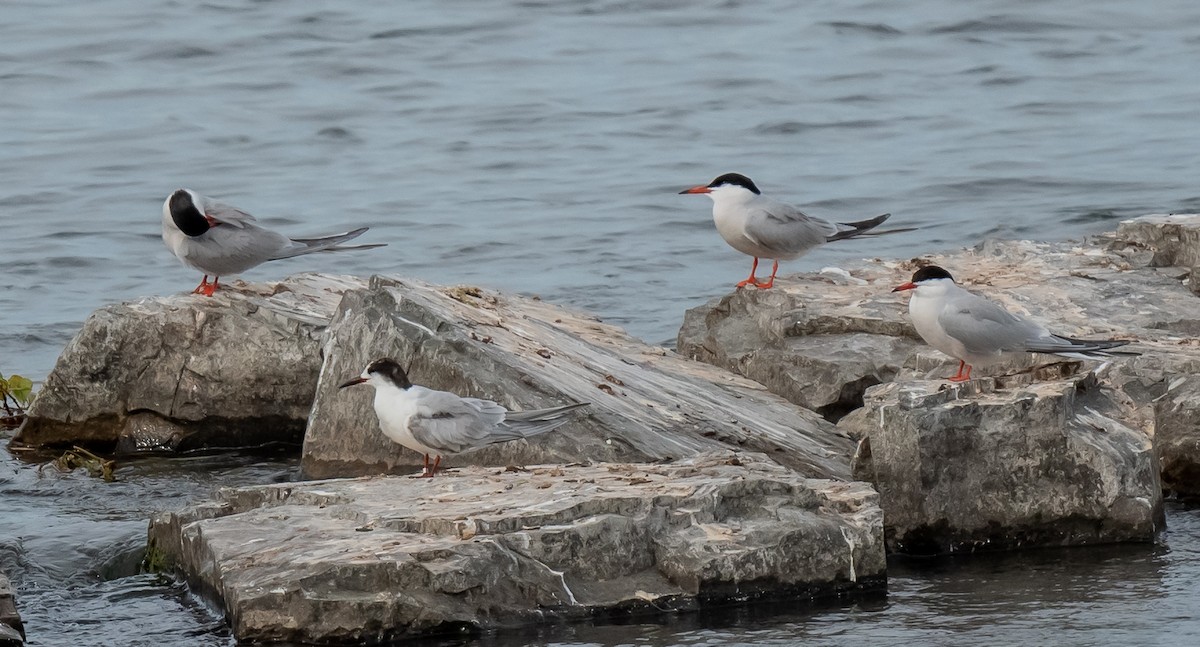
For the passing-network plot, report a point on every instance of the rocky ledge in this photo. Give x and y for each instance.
(821, 340)
(186, 371)
(994, 465)
(366, 561)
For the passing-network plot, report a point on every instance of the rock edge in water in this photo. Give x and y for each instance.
(382, 558)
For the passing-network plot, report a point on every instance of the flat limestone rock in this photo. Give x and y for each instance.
(365, 561)
(1177, 440)
(187, 371)
(976, 467)
(1114, 286)
(648, 403)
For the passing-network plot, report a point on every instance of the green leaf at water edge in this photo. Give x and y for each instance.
(20, 388)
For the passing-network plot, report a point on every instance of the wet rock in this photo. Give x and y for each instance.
(1177, 436)
(648, 403)
(987, 465)
(385, 558)
(12, 630)
(185, 371)
(1172, 240)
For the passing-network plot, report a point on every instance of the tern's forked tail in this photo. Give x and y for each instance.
(1081, 348)
(302, 246)
(860, 228)
(523, 424)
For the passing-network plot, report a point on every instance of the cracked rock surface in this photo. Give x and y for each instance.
(976, 467)
(648, 403)
(382, 558)
(187, 371)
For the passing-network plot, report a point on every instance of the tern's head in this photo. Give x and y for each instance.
(928, 279)
(185, 212)
(731, 186)
(381, 372)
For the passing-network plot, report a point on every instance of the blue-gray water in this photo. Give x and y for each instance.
(539, 146)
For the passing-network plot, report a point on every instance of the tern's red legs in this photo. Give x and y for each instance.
(207, 288)
(754, 281)
(959, 377)
(428, 472)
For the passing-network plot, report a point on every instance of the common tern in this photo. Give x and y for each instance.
(438, 422)
(218, 239)
(976, 331)
(758, 226)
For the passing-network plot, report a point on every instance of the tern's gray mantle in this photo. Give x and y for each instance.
(368, 560)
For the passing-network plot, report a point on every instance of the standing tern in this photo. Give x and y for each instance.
(758, 226)
(218, 239)
(438, 422)
(976, 331)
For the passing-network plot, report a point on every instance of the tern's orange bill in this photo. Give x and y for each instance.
(907, 286)
(696, 189)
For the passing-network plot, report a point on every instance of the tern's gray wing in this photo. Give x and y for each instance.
(451, 424)
(983, 327)
(225, 213)
(223, 251)
(784, 229)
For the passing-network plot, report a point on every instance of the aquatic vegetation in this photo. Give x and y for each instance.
(16, 393)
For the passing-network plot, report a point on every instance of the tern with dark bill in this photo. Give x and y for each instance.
(978, 332)
(437, 423)
(758, 226)
(219, 240)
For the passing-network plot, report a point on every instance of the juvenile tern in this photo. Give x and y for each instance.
(438, 422)
(976, 331)
(218, 239)
(758, 226)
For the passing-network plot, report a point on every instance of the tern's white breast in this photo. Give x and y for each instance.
(395, 407)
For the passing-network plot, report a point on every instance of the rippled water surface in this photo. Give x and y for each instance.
(538, 147)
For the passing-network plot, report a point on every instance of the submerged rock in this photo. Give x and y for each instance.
(648, 404)
(974, 467)
(370, 560)
(186, 371)
(12, 630)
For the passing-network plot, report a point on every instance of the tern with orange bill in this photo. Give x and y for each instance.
(978, 332)
(758, 226)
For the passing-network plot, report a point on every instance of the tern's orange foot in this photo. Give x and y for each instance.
(765, 286)
(208, 289)
(959, 378)
(750, 281)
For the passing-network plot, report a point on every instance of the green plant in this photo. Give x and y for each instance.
(16, 393)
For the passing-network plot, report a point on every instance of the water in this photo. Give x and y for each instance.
(538, 147)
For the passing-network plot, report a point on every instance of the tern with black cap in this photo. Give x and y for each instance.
(758, 226)
(436, 423)
(977, 332)
(219, 240)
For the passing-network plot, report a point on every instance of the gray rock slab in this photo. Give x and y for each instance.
(1177, 436)
(186, 371)
(1172, 241)
(12, 630)
(648, 403)
(985, 466)
(364, 561)
(846, 330)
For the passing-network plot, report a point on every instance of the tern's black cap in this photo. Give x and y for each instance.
(930, 272)
(391, 371)
(736, 179)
